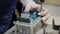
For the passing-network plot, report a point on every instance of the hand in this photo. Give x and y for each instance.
(45, 13)
(34, 6)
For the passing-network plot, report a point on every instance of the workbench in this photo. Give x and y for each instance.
(47, 29)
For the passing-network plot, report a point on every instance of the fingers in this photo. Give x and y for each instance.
(43, 12)
(28, 7)
(45, 18)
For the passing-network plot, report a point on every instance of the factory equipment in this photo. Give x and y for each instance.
(29, 22)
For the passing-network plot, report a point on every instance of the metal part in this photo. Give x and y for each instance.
(44, 30)
(43, 26)
(53, 23)
(42, 1)
(59, 30)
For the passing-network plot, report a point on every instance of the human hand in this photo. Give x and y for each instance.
(33, 6)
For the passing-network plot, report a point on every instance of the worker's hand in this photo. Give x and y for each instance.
(33, 6)
(45, 13)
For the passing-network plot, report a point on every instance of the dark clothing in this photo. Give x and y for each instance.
(19, 6)
(7, 8)
(14, 18)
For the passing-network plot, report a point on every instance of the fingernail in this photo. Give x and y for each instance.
(39, 13)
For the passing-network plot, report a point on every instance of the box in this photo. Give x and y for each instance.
(28, 28)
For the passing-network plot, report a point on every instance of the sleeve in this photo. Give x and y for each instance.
(6, 19)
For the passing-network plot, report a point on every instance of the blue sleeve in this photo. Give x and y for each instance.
(6, 19)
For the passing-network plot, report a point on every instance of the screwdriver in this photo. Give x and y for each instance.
(59, 31)
(42, 1)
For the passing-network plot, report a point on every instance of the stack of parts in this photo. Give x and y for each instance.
(28, 28)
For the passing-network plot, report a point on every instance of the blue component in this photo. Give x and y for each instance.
(34, 14)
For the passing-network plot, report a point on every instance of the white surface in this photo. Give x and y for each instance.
(57, 20)
(55, 12)
(10, 30)
(48, 29)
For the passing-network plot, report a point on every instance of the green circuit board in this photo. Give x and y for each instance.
(31, 23)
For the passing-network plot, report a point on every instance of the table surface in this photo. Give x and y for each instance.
(48, 29)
